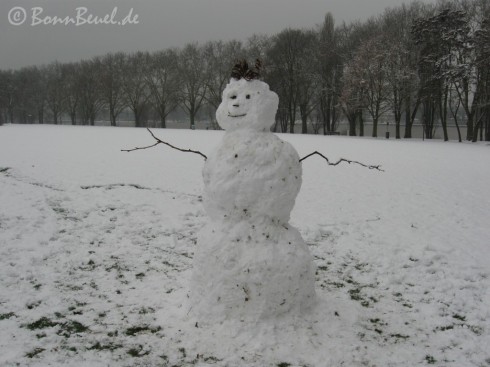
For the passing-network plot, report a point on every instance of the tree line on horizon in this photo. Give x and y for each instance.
(416, 61)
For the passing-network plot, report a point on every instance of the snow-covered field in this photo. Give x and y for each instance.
(96, 250)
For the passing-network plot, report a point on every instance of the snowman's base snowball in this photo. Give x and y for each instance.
(250, 272)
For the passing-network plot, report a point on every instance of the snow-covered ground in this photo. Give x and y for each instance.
(96, 250)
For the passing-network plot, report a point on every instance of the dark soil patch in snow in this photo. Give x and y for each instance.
(6, 316)
(141, 329)
(35, 352)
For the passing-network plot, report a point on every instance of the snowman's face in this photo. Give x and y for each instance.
(247, 105)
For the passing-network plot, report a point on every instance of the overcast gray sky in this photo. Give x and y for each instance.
(162, 24)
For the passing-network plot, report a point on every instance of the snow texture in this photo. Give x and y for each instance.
(97, 248)
(250, 263)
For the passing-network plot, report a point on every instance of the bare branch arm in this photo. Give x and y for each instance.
(340, 161)
(165, 143)
(158, 141)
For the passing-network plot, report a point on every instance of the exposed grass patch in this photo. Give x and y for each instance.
(138, 352)
(430, 359)
(444, 328)
(212, 359)
(6, 316)
(141, 329)
(145, 310)
(399, 336)
(459, 317)
(72, 327)
(355, 295)
(32, 305)
(42, 323)
(182, 350)
(109, 346)
(35, 352)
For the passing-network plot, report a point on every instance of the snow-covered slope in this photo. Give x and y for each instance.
(96, 250)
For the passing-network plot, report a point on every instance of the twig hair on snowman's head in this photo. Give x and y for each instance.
(241, 70)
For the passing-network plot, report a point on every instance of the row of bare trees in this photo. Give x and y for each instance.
(430, 62)
(422, 62)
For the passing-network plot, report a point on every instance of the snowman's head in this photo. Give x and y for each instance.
(247, 104)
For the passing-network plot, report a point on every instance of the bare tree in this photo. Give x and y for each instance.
(444, 47)
(135, 86)
(38, 95)
(193, 77)
(352, 97)
(367, 73)
(90, 90)
(352, 84)
(163, 79)
(401, 67)
(290, 74)
(308, 80)
(111, 84)
(329, 71)
(8, 91)
(22, 94)
(482, 41)
(55, 94)
(71, 85)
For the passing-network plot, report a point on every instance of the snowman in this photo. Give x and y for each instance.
(250, 263)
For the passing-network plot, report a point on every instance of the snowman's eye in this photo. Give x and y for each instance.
(233, 97)
(248, 96)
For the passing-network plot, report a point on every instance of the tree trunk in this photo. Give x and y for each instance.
(73, 117)
(112, 115)
(361, 123)
(487, 124)
(443, 113)
(304, 119)
(469, 128)
(292, 117)
(163, 118)
(328, 117)
(408, 122)
(136, 117)
(375, 127)
(192, 120)
(40, 115)
(398, 118)
(11, 114)
(352, 125)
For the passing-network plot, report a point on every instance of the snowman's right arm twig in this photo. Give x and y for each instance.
(165, 143)
(340, 161)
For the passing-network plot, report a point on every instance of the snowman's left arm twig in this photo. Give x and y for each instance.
(340, 161)
(165, 143)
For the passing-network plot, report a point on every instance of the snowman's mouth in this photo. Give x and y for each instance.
(230, 115)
